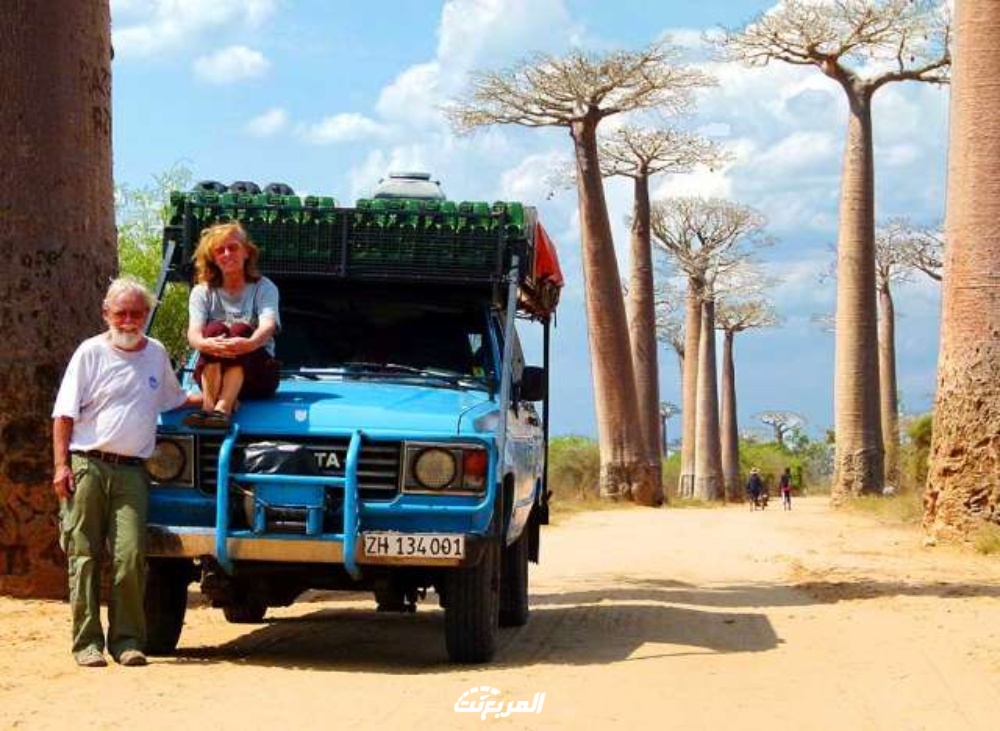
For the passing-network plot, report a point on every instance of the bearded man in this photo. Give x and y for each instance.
(104, 427)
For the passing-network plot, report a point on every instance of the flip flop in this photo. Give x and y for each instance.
(196, 418)
(215, 420)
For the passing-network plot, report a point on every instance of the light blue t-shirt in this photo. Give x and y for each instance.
(214, 304)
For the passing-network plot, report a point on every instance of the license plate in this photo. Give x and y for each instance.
(414, 545)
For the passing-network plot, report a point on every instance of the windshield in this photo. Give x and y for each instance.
(379, 333)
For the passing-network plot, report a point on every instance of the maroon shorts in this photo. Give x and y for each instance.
(260, 369)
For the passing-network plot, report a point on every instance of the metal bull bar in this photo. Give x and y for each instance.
(349, 484)
(353, 507)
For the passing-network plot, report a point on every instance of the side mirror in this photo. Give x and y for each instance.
(532, 383)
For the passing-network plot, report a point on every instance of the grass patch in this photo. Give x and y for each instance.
(688, 502)
(987, 539)
(906, 508)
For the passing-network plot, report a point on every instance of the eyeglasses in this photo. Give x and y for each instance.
(137, 314)
(227, 247)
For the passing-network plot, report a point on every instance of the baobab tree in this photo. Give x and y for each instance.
(782, 423)
(57, 238)
(668, 411)
(901, 249)
(863, 45)
(706, 239)
(578, 91)
(734, 316)
(670, 320)
(963, 482)
(923, 250)
(639, 153)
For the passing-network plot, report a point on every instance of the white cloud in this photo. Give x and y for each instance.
(348, 127)
(414, 96)
(232, 64)
(158, 26)
(473, 34)
(530, 180)
(797, 151)
(701, 182)
(267, 124)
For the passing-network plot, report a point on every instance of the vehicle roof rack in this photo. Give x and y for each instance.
(468, 244)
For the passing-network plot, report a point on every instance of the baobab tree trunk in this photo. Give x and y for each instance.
(689, 387)
(887, 383)
(708, 459)
(963, 483)
(858, 465)
(624, 470)
(642, 333)
(730, 435)
(57, 248)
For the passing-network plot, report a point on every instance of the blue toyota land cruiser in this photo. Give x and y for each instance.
(405, 447)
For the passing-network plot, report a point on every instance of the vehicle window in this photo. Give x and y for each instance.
(325, 332)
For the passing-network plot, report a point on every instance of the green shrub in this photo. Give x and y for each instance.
(140, 214)
(574, 468)
(913, 454)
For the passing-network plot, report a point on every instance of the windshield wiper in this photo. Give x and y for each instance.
(452, 377)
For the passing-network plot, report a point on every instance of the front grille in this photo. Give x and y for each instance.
(378, 468)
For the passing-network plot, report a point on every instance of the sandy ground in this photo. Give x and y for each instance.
(670, 619)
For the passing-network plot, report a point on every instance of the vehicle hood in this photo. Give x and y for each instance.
(373, 405)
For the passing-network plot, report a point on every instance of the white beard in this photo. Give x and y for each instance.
(125, 340)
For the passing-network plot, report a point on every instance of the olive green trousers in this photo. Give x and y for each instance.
(108, 508)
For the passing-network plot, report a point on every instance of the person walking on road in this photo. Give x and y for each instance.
(755, 488)
(103, 428)
(785, 485)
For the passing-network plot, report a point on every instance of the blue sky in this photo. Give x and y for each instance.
(329, 96)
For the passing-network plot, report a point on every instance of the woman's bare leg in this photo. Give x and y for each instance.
(232, 382)
(211, 382)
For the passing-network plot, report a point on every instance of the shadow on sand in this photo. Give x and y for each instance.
(565, 632)
(629, 621)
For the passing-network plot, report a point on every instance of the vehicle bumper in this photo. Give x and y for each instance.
(170, 542)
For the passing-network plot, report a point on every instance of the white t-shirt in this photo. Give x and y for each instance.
(114, 396)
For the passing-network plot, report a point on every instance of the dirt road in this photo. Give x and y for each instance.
(670, 619)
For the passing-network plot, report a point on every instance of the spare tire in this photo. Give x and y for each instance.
(210, 186)
(244, 186)
(278, 189)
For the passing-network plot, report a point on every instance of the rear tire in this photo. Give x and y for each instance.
(514, 583)
(471, 615)
(245, 610)
(165, 603)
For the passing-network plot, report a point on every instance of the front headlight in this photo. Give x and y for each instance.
(171, 460)
(445, 468)
(435, 469)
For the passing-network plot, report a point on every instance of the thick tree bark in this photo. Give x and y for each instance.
(642, 332)
(57, 245)
(730, 434)
(887, 383)
(708, 458)
(624, 469)
(963, 484)
(859, 459)
(689, 387)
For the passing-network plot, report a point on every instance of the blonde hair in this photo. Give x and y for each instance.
(205, 270)
(125, 285)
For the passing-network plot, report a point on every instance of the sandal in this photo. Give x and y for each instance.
(196, 418)
(215, 420)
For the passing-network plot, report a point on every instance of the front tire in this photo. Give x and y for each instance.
(471, 615)
(165, 603)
